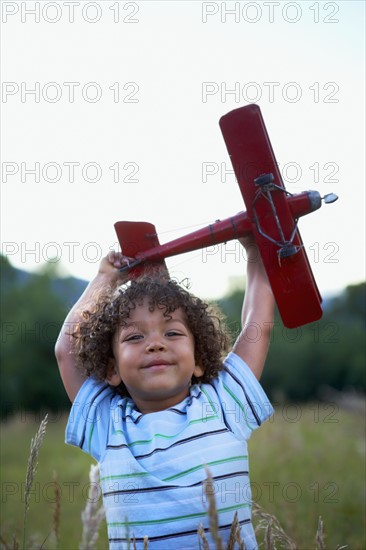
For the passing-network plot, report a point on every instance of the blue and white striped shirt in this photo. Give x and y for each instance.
(152, 466)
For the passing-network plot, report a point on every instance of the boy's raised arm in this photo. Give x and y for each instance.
(108, 275)
(257, 313)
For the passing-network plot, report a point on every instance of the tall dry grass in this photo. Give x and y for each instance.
(56, 515)
(93, 514)
(32, 470)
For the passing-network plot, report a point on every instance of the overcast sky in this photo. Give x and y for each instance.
(110, 112)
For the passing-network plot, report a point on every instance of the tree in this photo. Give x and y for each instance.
(32, 314)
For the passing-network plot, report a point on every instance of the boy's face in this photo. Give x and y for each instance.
(154, 357)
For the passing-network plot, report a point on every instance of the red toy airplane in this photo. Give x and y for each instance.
(271, 215)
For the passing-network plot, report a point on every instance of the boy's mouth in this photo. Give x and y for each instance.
(156, 363)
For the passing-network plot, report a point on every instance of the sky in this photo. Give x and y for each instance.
(110, 112)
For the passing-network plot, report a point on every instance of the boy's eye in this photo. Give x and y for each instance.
(133, 337)
(173, 333)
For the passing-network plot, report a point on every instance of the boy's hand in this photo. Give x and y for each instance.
(251, 247)
(254, 259)
(112, 263)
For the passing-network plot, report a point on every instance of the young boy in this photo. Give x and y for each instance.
(155, 405)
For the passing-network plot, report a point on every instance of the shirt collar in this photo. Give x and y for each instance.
(129, 409)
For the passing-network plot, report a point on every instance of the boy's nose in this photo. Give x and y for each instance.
(156, 346)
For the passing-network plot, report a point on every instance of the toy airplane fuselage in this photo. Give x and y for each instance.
(271, 215)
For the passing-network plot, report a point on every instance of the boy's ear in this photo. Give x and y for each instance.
(113, 377)
(198, 371)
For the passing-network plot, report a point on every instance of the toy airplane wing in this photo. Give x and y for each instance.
(273, 224)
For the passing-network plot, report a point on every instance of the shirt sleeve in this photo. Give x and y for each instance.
(242, 400)
(89, 417)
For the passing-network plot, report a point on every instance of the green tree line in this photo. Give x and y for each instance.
(304, 362)
(301, 362)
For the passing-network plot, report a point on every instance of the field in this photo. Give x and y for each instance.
(306, 462)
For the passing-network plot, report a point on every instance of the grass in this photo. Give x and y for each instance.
(305, 463)
(72, 468)
(309, 468)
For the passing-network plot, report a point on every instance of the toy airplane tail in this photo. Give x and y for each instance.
(135, 237)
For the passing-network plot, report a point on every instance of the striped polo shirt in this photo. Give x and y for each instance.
(152, 466)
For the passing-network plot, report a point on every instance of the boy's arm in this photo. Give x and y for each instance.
(257, 313)
(108, 275)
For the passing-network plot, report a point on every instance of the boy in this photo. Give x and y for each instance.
(155, 405)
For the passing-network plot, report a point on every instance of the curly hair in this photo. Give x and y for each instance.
(93, 336)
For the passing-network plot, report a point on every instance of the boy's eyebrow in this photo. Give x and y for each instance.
(127, 325)
(135, 324)
(181, 321)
